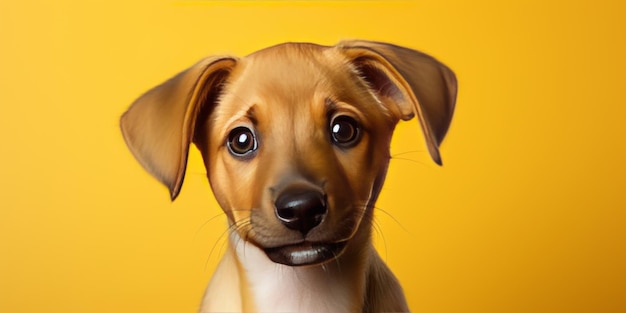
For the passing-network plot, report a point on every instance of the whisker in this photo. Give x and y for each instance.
(227, 231)
(407, 152)
(376, 226)
(244, 239)
(222, 213)
(220, 238)
(336, 261)
(379, 209)
(379, 231)
(235, 227)
(223, 246)
(195, 237)
(411, 160)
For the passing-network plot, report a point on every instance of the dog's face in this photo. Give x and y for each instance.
(295, 150)
(295, 138)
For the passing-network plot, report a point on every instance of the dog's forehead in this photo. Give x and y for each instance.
(292, 74)
(288, 52)
(293, 66)
(296, 83)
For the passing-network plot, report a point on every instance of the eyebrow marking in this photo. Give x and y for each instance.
(330, 103)
(330, 106)
(251, 114)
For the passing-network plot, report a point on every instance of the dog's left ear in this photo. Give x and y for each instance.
(410, 83)
(159, 126)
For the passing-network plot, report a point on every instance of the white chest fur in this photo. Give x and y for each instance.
(252, 282)
(278, 288)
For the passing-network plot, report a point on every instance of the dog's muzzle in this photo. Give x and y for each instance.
(302, 209)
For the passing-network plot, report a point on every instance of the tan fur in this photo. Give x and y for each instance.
(288, 95)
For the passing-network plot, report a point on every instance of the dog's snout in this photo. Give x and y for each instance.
(301, 209)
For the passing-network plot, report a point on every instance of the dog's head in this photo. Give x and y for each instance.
(295, 137)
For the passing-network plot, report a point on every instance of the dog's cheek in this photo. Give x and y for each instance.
(230, 181)
(374, 162)
(219, 188)
(360, 166)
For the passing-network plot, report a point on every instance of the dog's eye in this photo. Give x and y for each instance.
(345, 131)
(241, 141)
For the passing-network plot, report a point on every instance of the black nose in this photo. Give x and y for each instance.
(300, 209)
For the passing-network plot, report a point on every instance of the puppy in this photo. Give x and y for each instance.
(295, 139)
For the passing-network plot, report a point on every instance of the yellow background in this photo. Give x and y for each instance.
(528, 213)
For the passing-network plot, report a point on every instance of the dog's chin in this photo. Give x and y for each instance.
(305, 253)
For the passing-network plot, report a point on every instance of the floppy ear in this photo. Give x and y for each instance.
(158, 127)
(410, 82)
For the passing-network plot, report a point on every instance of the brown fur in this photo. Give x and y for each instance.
(288, 95)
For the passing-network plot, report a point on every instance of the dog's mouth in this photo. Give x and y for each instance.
(305, 253)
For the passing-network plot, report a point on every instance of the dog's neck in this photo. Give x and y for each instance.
(337, 286)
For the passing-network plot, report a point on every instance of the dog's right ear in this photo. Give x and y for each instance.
(159, 126)
(416, 83)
